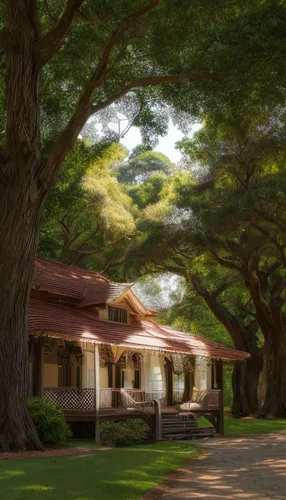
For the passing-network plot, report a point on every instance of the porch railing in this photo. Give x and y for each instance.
(66, 398)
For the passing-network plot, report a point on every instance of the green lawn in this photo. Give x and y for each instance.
(237, 427)
(120, 473)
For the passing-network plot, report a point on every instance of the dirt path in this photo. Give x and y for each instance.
(252, 467)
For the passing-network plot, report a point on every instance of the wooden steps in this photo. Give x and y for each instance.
(178, 426)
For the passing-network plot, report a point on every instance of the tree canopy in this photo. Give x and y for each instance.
(220, 225)
(139, 168)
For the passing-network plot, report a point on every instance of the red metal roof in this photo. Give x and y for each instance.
(86, 287)
(81, 325)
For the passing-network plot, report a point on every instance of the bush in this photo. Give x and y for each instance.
(112, 432)
(49, 421)
(126, 433)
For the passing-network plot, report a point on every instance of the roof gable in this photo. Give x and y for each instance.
(85, 287)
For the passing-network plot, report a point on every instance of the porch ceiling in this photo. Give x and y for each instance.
(80, 325)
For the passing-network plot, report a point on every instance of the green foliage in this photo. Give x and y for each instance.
(126, 433)
(138, 150)
(88, 212)
(138, 170)
(49, 421)
(89, 217)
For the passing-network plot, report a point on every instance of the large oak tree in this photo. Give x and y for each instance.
(226, 222)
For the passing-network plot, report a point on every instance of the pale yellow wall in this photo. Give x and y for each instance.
(50, 369)
(51, 355)
(103, 314)
(50, 375)
(103, 378)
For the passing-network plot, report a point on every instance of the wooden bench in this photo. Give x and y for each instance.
(206, 404)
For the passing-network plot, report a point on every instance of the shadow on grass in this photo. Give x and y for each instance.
(124, 473)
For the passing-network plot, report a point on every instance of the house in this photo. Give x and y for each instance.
(97, 352)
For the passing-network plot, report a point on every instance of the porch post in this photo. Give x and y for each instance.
(97, 391)
(219, 378)
(213, 375)
(169, 381)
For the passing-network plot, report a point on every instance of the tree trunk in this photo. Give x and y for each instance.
(274, 405)
(20, 204)
(270, 319)
(246, 373)
(19, 229)
(245, 381)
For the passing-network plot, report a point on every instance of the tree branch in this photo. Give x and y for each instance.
(281, 248)
(98, 250)
(271, 218)
(52, 41)
(149, 81)
(233, 325)
(224, 262)
(84, 110)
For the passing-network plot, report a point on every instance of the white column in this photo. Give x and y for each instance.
(97, 391)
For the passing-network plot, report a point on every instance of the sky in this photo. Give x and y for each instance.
(166, 144)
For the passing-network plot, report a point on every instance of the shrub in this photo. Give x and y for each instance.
(49, 421)
(126, 433)
(112, 432)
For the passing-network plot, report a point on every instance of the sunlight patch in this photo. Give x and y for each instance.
(37, 487)
(14, 473)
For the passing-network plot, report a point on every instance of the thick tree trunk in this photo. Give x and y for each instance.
(271, 321)
(19, 228)
(246, 373)
(274, 405)
(20, 204)
(245, 381)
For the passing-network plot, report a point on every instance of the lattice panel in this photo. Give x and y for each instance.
(71, 399)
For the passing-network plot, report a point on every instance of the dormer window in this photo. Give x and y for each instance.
(117, 314)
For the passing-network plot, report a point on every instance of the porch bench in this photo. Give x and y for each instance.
(206, 404)
(202, 400)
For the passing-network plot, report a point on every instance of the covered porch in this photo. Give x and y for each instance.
(92, 382)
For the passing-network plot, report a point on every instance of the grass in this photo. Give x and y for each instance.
(239, 427)
(121, 473)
